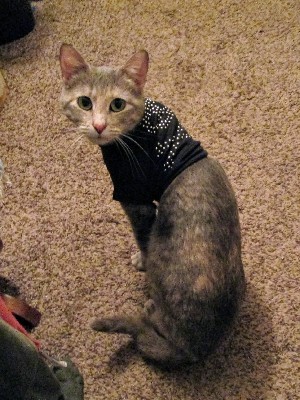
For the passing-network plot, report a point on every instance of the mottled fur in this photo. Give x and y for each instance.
(190, 244)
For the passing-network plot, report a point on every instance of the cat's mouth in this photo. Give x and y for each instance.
(100, 138)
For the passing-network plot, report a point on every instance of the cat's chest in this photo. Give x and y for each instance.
(143, 162)
(132, 168)
(132, 157)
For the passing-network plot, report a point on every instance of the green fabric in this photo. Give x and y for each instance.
(25, 376)
(71, 381)
(23, 373)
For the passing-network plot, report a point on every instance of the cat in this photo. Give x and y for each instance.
(179, 202)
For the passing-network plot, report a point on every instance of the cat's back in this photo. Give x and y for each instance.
(200, 202)
(195, 248)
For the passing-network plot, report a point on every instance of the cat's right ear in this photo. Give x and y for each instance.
(71, 62)
(137, 68)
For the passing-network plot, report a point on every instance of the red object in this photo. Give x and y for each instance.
(8, 317)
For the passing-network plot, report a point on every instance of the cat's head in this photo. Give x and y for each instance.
(104, 102)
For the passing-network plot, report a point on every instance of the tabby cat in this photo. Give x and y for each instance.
(180, 204)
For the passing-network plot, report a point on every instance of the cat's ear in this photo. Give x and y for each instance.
(137, 68)
(71, 62)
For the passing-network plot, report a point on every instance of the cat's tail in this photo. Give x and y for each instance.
(150, 342)
(129, 325)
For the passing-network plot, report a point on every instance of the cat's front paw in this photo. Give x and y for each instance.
(137, 261)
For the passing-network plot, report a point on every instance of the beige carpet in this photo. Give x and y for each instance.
(230, 71)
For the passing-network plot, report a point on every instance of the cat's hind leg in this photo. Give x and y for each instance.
(153, 344)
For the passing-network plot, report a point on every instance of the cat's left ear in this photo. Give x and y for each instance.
(71, 62)
(137, 68)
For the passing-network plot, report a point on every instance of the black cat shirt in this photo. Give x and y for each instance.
(152, 155)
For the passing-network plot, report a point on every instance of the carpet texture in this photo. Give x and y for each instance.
(230, 71)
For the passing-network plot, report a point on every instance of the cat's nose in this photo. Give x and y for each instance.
(99, 128)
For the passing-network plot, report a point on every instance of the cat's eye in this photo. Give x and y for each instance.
(117, 105)
(85, 103)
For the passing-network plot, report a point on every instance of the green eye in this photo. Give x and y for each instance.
(117, 105)
(85, 103)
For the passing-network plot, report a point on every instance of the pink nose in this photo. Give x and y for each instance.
(99, 128)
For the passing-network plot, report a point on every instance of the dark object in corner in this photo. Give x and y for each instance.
(16, 20)
(27, 316)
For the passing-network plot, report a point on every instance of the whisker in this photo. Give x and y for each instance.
(130, 154)
(138, 165)
(77, 140)
(134, 141)
(68, 130)
(120, 142)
